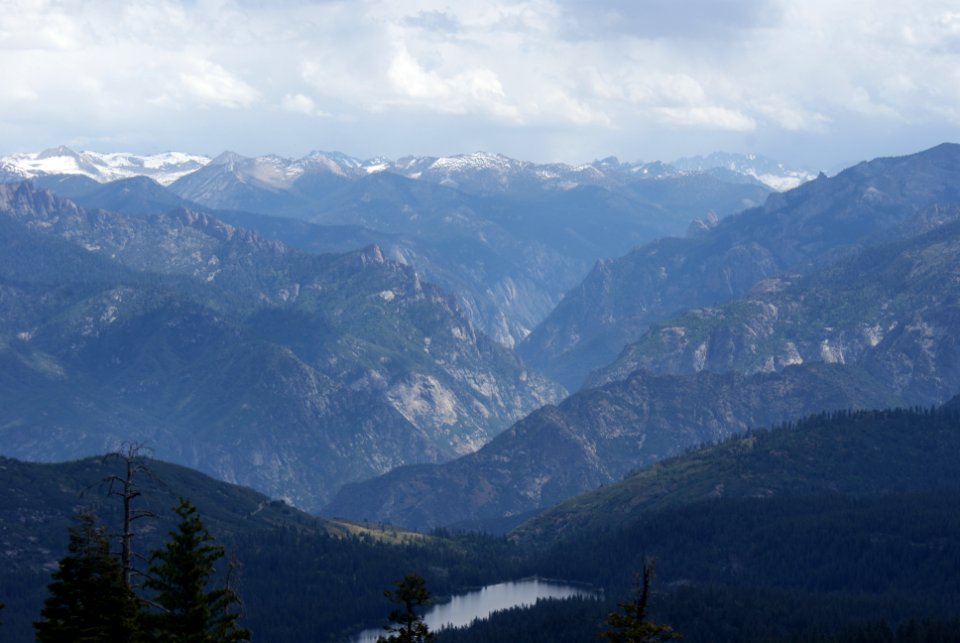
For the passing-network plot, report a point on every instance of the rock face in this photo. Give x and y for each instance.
(595, 437)
(222, 350)
(794, 231)
(893, 309)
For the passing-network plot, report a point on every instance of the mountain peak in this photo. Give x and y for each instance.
(60, 150)
(226, 158)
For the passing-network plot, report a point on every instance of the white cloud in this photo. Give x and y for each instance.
(410, 79)
(301, 104)
(707, 116)
(210, 84)
(501, 70)
(32, 25)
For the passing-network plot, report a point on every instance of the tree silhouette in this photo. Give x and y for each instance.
(185, 611)
(89, 600)
(125, 486)
(630, 624)
(408, 626)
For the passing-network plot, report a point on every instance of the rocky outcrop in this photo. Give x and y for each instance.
(595, 437)
(223, 350)
(892, 309)
(794, 231)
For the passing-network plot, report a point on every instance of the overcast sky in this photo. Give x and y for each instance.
(814, 82)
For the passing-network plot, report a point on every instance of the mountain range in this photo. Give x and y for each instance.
(167, 314)
(479, 172)
(765, 402)
(795, 231)
(287, 371)
(872, 324)
(508, 237)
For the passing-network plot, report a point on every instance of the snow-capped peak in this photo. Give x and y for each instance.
(165, 168)
(773, 174)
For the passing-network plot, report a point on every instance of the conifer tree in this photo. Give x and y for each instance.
(179, 574)
(411, 593)
(630, 624)
(89, 600)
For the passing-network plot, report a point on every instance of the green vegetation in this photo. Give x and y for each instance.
(186, 611)
(861, 453)
(407, 625)
(631, 623)
(302, 578)
(820, 527)
(89, 600)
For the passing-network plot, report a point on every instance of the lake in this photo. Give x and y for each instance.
(462, 609)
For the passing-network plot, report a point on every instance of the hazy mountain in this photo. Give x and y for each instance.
(254, 362)
(794, 231)
(771, 173)
(893, 308)
(508, 237)
(871, 330)
(474, 173)
(596, 436)
(508, 257)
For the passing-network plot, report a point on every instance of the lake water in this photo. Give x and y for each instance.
(463, 608)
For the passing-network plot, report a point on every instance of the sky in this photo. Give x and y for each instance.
(817, 83)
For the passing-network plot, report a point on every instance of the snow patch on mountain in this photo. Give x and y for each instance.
(773, 174)
(481, 172)
(164, 168)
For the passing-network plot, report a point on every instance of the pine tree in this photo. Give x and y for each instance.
(89, 600)
(630, 624)
(411, 592)
(186, 611)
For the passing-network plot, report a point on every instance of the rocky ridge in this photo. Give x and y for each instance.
(203, 338)
(795, 231)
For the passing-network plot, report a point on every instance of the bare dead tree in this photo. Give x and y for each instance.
(131, 454)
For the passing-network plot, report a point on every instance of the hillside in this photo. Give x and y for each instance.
(872, 330)
(857, 454)
(299, 576)
(829, 525)
(201, 339)
(893, 309)
(794, 231)
(596, 436)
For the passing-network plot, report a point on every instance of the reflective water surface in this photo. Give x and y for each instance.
(463, 608)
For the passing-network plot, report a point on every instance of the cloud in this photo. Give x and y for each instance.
(707, 116)
(666, 19)
(300, 104)
(37, 25)
(210, 84)
(439, 21)
(635, 78)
